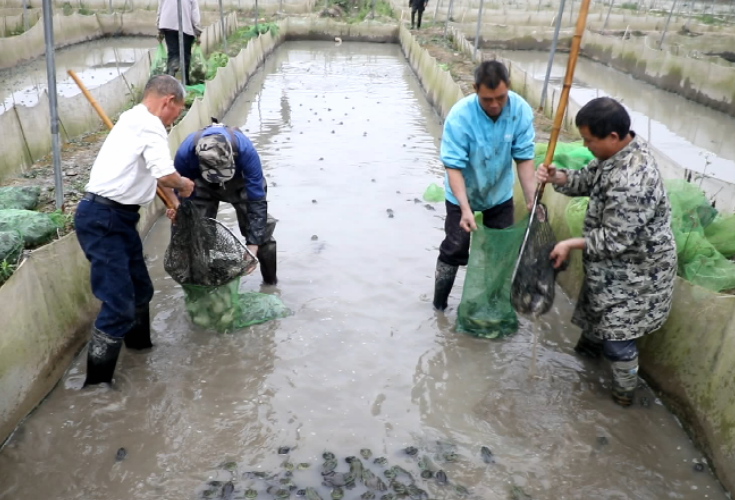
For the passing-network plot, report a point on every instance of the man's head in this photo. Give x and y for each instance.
(216, 160)
(164, 97)
(492, 84)
(604, 124)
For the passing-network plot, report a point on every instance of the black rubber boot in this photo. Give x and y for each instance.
(102, 355)
(139, 337)
(267, 259)
(443, 283)
(588, 347)
(624, 381)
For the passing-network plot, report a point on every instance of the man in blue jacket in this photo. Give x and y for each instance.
(225, 167)
(484, 133)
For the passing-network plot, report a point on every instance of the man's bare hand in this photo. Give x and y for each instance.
(171, 214)
(467, 222)
(549, 173)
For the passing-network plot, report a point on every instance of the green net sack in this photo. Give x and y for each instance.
(434, 193)
(36, 228)
(158, 64)
(575, 213)
(216, 60)
(485, 309)
(222, 309)
(571, 155)
(197, 66)
(21, 198)
(11, 246)
(721, 233)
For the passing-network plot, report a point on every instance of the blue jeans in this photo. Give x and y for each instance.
(118, 275)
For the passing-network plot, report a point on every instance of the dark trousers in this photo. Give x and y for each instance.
(172, 48)
(455, 249)
(207, 198)
(420, 10)
(118, 274)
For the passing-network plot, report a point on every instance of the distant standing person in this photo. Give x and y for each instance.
(167, 23)
(484, 133)
(629, 252)
(133, 160)
(417, 6)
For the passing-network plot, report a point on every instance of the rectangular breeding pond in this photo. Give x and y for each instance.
(363, 367)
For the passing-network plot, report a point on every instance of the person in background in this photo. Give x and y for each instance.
(167, 22)
(417, 6)
(226, 168)
(133, 160)
(629, 252)
(483, 134)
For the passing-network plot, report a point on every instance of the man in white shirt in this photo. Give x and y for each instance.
(134, 159)
(167, 22)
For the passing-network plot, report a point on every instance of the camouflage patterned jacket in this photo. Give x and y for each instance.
(630, 256)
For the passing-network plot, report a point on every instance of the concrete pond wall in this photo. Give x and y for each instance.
(49, 305)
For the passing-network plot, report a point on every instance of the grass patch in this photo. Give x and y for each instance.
(629, 6)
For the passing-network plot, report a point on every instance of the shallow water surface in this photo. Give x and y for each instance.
(364, 362)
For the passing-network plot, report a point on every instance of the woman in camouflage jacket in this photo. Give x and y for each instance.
(629, 250)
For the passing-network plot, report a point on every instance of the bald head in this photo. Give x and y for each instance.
(164, 86)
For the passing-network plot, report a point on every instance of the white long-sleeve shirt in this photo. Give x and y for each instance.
(168, 16)
(133, 156)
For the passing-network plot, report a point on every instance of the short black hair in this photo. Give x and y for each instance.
(603, 116)
(163, 86)
(490, 74)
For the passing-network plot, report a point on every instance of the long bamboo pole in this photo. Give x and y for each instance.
(558, 118)
(108, 124)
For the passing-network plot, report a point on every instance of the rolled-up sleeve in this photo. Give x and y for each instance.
(455, 146)
(156, 151)
(628, 209)
(524, 136)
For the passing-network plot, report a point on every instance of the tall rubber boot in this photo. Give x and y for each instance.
(443, 283)
(139, 337)
(267, 259)
(102, 357)
(625, 381)
(588, 346)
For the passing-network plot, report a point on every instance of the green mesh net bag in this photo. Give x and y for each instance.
(11, 246)
(216, 60)
(485, 309)
(571, 155)
(721, 233)
(36, 228)
(197, 66)
(21, 198)
(208, 261)
(434, 193)
(223, 309)
(158, 64)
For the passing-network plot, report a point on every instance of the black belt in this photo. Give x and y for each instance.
(110, 203)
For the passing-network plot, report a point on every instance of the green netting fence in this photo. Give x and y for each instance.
(705, 239)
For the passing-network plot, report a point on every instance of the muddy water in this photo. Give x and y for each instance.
(364, 361)
(685, 131)
(95, 63)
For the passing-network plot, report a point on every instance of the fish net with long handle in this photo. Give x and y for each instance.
(532, 285)
(208, 261)
(203, 251)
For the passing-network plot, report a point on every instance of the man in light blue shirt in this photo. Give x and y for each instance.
(483, 134)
